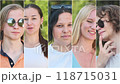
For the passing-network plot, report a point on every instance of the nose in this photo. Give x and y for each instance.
(93, 26)
(65, 29)
(16, 26)
(97, 27)
(29, 22)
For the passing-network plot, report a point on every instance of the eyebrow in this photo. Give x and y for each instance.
(90, 18)
(32, 16)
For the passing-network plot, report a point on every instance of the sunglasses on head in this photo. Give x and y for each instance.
(56, 7)
(11, 22)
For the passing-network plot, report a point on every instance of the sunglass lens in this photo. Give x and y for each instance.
(21, 22)
(11, 22)
(100, 23)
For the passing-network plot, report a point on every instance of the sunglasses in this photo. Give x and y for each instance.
(56, 7)
(11, 22)
(101, 23)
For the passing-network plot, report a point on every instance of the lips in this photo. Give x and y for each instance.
(15, 32)
(66, 36)
(100, 32)
(92, 32)
(30, 28)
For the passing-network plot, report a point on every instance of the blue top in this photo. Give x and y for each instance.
(75, 63)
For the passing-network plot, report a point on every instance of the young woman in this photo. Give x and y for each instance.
(60, 30)
(12, 20)
(108, 18)
(35, 45)
(84, 32)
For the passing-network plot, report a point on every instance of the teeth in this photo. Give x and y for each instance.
(92, 32)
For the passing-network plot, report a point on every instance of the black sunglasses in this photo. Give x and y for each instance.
(101, 23)
(56, 7)
(11, 22)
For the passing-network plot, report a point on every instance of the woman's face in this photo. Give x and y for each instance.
(32, 21)
(107, 31)
(88, 27)
(16, 31)
(63, 29)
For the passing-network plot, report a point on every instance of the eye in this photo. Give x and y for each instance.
(89, 21)
(26, 19)
(59, 26)
(69, 24)
(33, 18)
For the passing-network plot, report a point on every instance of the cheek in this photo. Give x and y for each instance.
(37, 24)
(84, 29)
(56, 33)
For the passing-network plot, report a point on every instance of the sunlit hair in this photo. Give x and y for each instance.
(4, 15)
(81, 16)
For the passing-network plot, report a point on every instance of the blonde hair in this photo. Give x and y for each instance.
(81, 16)
(5, 12)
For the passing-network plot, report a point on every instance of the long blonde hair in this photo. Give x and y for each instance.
(81, 16)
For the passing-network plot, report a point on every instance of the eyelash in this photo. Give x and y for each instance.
(25, 19)
(89, 21)
(33, 18)
(69, 24)
(59, 25)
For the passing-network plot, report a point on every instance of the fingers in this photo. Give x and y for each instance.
(100, 42)
(110, 48)
(108, 44)
(112, 54)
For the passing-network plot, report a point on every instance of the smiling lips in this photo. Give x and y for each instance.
(100, 32)
(92, 32)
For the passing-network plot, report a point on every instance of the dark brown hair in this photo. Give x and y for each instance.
(113, 12)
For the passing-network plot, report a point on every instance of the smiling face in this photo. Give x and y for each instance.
(63, 29)
(14, 32)
(88, 27)
(107, 31)
(32, 21)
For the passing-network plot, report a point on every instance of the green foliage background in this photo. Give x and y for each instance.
(78, 4)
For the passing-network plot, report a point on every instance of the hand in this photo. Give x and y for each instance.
(105, 53)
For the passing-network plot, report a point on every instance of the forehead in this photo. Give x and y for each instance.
(16, 13)
(92, 15)
(63, 17)
(31, 11)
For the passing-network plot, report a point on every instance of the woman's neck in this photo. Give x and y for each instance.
(84, 45)
(32, 40)
(62, 48)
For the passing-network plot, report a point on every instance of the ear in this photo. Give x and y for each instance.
(41, 20)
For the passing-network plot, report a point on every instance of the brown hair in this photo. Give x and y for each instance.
(113, 12)
(43, 42)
